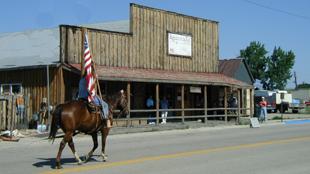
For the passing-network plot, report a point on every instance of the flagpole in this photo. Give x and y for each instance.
(82, 50)
(98, 85)
(94, 67)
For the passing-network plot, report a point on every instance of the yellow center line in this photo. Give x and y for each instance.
(175, 155)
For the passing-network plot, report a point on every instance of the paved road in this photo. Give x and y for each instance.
(273, 148)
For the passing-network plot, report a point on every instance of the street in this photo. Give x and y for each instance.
(273, 148)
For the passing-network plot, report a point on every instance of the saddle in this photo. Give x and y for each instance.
(92, 108)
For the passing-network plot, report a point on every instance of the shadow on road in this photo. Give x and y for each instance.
(52, 161)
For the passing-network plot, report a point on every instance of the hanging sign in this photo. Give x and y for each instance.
(179, 44)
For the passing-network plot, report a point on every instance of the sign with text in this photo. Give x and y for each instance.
(254, 122)
(194, 89)
(180, 44)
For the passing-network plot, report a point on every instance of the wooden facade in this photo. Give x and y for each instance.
(34, 85)
(145, 46)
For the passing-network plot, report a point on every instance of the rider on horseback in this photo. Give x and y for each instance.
(84, 93)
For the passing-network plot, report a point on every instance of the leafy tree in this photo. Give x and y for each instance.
(279, 68)
(273, 71)
(255, 57)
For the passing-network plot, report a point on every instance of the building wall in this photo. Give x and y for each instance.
(146, 46)
(34, 85)
(303, 94)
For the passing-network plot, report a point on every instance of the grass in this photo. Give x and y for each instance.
(307, 110)
(276, 118)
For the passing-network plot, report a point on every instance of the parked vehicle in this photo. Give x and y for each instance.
(269, 97)
(297, 104)
(276, 100)
(283, 101)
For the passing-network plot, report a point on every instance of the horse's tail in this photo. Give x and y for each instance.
(55, 123)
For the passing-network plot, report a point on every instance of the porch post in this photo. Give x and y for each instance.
(157, 103)
(251, 103)
(239, 105)
(205, 103)
(128, 103)
(182, 104)
(225, 103)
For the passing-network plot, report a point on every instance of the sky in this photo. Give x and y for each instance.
(274, 23)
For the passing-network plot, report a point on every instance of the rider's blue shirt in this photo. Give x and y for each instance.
(83, 93)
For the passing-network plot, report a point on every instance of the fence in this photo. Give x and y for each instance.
(10, 116)
(183, 115)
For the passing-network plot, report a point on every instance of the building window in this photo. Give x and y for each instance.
(11, 89)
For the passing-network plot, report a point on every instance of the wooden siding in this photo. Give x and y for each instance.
(34, 85)
(146, 44)
(107, 48)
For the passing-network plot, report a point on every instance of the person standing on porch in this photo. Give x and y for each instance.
(20, 107)
(150, 105)
(164, 104)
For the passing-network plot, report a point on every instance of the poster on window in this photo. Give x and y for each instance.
(179, 44)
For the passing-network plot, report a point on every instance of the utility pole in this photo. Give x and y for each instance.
(295, 79)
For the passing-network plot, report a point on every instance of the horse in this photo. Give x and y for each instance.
(74, 117)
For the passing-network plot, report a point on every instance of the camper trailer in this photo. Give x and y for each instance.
(276, 100)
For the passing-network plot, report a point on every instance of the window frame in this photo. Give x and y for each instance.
(11, 88)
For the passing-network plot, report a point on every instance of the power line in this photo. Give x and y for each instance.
(278, 10)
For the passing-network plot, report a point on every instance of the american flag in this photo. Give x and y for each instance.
(88, 69)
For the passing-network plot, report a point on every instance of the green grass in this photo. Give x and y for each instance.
(276, 118)
(307, 110)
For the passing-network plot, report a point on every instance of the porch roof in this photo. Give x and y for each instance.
(164, 76)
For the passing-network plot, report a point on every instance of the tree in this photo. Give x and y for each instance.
(279, 68)
(273, 71)
(303, 86)
(255, 57)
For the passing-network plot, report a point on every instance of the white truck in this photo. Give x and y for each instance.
(283, 101)
(276, 100)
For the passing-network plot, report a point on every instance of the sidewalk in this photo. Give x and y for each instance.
(177, 125)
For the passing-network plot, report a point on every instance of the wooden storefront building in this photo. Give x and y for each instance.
(161, 53)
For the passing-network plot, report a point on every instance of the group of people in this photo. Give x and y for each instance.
(164, 104)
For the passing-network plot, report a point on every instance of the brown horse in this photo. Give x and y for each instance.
(75, 117)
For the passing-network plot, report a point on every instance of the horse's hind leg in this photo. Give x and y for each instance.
(95, 140)
(71, 145)
(61, 147)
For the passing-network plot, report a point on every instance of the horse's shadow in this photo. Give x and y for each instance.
(52, 161)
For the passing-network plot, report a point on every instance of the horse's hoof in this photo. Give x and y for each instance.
(80, 163)
(104, 157)
(58, 165)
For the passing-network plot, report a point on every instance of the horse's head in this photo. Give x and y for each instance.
(122, 103)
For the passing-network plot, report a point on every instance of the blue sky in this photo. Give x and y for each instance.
(284, 23)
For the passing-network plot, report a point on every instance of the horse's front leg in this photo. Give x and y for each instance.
(95, 140)
(71, 145)
(104, 134)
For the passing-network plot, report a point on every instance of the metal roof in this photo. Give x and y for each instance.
(40, 47)
(118, 26)
(30, 48)
(163, 76)
(229, 67)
